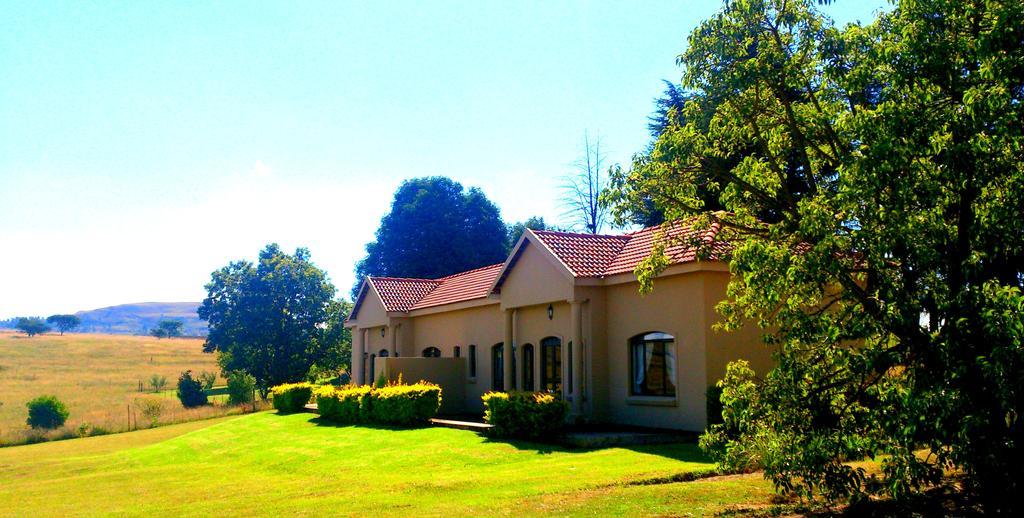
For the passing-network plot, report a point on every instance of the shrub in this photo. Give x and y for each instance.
(405, 405)
(46, 412)
(207, 378)
(241, 386)
(291, 397)
(89, 430)
(345, 405)
(152, 409)
(714, 404)
(158, 382)
(190, 391)
(529, 415)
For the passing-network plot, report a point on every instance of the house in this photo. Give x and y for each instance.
(570, 308)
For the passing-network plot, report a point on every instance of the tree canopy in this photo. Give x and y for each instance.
(435, 228)
(32, 326)
(64, 322)
(167, 328)
(516, 230)
(266, 318)
(871, 177)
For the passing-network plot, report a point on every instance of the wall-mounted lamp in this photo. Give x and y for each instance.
(382, 332)
(551, 312)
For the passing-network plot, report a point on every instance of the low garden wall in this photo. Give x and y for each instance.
(448, 373)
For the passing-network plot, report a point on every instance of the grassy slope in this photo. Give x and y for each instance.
(269, 464)
(95, 375)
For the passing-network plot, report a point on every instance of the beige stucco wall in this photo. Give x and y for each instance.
(676, 306)
(723, 347)
(371, 311)
(536, 278)
(449, 373)
(595, 339)
(480, 326)
(532, 325)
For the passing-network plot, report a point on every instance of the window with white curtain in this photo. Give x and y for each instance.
(653, 364)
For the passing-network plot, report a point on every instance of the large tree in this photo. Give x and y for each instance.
(266, 318)
(516, 230)
(32, 326)
(873, 179)
(64, 322)
(167, 328)
(435, 228)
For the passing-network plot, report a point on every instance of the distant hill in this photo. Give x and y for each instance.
(139, 318)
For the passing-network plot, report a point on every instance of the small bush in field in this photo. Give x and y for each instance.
(344, 404)
(158, 382)
(529, 415)
(405, 405)
(152, 409)
(240, 387)
(46, 412)
(207, 378)
(190, 391)
(291, 397)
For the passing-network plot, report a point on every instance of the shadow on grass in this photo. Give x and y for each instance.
(683, 448)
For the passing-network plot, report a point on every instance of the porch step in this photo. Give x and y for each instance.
(462, 425)
(312, 408)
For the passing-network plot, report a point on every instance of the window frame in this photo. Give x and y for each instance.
(670, 375)
(529, 382)
(498, 367)
(552, 343)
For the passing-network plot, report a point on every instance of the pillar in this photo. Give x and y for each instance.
(358, 350)
(517, 351)
(393, 329)
(576, 321)
(506, 350)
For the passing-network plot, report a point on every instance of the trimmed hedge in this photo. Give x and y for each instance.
(343, 405)
(405, 405)
(528, 415)
(291, 397)
(396, 404)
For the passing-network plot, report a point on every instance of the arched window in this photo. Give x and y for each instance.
(497, 367)
(551, 365)
(383, 353)
(652, 359)
(458, 351)
(431, 352)
(528, 367)
(472, 361)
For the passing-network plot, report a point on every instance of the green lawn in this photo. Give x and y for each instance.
(266, 463)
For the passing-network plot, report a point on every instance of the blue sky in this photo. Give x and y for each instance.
(143, 145)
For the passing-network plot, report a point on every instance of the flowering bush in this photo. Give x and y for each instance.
(405, 405)
(530, 415)
(291, 397)
(346, 405)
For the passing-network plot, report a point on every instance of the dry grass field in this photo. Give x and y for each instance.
(97, 377)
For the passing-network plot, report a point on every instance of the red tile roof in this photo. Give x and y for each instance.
(399, 294)
(585, 255)
(590, 255)
(680, 238)
(460, 287)
(406, 294)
